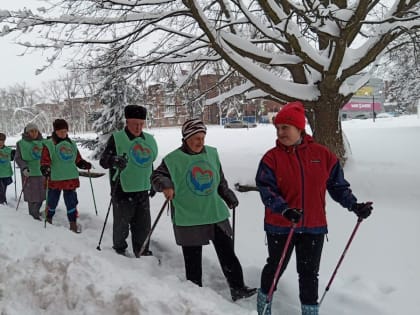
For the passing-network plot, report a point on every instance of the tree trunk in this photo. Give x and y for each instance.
(325, 123)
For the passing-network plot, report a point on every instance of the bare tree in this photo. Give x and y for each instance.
(287, 50)
(53, 91)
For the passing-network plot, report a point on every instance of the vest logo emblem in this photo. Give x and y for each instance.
(4, 158)
(65, 151)
(36, 152)
(141, 154)
(200, 178)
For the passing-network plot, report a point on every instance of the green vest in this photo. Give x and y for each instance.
(196, 179)
(140, 153)
(63, 159)
(5, 166)
(31, 153)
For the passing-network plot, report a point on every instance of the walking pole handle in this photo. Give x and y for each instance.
(359, 220)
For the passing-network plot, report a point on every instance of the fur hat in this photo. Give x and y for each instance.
(2, 136)
(59, 124)
(191, 127)
(292, 113)
(135, 111)
(31, 126)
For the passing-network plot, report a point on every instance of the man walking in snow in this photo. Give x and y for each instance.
(129, 154)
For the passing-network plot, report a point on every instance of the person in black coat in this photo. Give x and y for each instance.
(129, 155)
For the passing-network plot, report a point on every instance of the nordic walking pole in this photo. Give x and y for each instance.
(143, 247)
(117, 180)
(279, 266)
(233, 225)
(93, 194)
(25, 181)
(46, 203)
(14, 175)
(359, 220)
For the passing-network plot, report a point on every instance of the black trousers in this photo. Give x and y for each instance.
(308, 248)
(131, 215)
(4, 182)
(230, 264)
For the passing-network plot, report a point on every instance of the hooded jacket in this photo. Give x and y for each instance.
(298, 177)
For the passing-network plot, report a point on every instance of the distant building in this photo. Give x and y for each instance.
(367, 102)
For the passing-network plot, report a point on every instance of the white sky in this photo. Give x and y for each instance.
(54, 271)
(17, 69)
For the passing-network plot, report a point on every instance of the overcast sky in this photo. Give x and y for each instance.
(17, 69)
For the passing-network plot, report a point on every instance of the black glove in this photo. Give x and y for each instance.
(84, 165)
(234, 204)
(362, 210)
(45, 170)
(152, 192)
(292, 214)
(231, 200)
(26, 172)
(119, 162)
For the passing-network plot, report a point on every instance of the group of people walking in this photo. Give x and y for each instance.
(292, 178)
(48, 167)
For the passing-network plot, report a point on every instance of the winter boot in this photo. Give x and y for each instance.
(49, 220)
(241, 293)
(74, 228)
(262, 304)
(310, 309)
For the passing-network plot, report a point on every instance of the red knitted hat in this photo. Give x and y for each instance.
(292, 113)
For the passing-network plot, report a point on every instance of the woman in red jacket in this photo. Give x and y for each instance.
(293, 178)
(59, 161)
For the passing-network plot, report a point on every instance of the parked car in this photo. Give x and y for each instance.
(240, 124)
(361, 116)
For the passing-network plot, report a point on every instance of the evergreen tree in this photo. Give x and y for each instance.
(404, 76)
(115, 92)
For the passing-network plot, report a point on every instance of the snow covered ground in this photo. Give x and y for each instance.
(54, 271)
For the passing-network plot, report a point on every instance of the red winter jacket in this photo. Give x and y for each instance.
(298, 177)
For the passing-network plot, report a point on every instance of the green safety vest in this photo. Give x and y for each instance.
(5, 159)
(140, 153)
(196, 179)
(31, 153)
(63, 159)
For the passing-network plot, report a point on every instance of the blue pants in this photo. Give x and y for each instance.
(70, 199)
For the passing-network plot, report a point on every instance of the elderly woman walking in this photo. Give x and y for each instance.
(28, 156)
(192, 178)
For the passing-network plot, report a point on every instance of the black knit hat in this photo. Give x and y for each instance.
(59, 124)
(2, 136)
(191, 127)
(135, 111)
